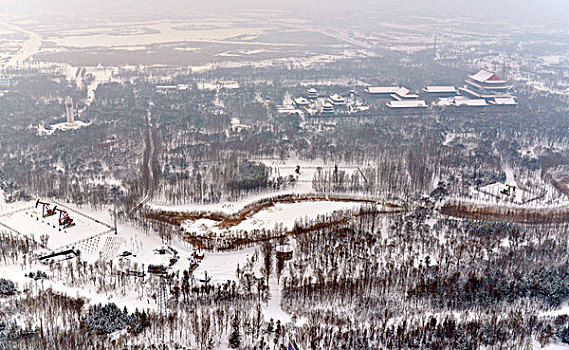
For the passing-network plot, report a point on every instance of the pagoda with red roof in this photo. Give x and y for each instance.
(486, 85)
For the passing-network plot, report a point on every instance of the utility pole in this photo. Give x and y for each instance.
(435, 48)
(114, 192)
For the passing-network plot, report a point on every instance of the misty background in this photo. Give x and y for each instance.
(524, 10)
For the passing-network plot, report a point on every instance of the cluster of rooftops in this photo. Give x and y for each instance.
(314, 103)
(481, 89)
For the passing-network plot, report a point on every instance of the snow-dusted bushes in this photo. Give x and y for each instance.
(108, 318)
(7, 287)
(38, 275)
(138, 322)
(104, 319)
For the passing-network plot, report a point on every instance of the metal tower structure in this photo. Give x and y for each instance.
(162, 297)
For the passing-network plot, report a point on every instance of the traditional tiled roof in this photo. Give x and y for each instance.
(484, 76)
(407, 104)
(382, 90)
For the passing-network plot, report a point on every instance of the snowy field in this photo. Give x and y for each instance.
(518, 196)
(99, 243)
(30, 222)
(281, 214)
(26, 49)
(153, 33)
(41, 130)
(283, 168)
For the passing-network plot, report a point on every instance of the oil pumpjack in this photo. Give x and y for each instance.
(46, 208)
(64, 219)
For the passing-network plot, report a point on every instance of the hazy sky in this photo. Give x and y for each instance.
(534, 9)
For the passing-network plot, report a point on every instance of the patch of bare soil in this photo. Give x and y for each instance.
(525, 215)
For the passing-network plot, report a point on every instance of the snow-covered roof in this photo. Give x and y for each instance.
(488, 87)
(407, 104)
(469, 102)
(337, 98)
(301, 101)
(484, 76)
(312, 91)
(288, 110)
(284, 248)
(183, 87)
(444, 102)
(382, 90)
(491, 94)
(440, 89)
(403, 93)
(504, 101)
(327, 107)
(228, 84)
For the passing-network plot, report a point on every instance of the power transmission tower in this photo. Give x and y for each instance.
(162, 297)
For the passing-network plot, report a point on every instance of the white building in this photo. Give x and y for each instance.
(69, 110)
(336, 99)
(404, 94)
(301, 102)
(441, 90)
(413, 104)
(312, 93)
(486, 85)
(382, 90)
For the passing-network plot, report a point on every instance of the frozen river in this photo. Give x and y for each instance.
(28, 49)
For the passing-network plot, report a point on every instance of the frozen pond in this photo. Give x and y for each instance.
(154, 34)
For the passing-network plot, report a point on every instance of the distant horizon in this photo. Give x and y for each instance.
(549, 10)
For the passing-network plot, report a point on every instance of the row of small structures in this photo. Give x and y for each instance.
(480, 90)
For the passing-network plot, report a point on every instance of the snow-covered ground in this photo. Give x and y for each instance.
(518, 196)
(281, 214)
(41, 130)
(101, 75)
(273, 308)
(282, 168)
(30, 222)
(556, 346)
(29, 48)
(98, 242)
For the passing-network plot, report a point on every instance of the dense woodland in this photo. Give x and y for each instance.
(378, 281)
(198, 156)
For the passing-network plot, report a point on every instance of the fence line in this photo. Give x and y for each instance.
(85, 215)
